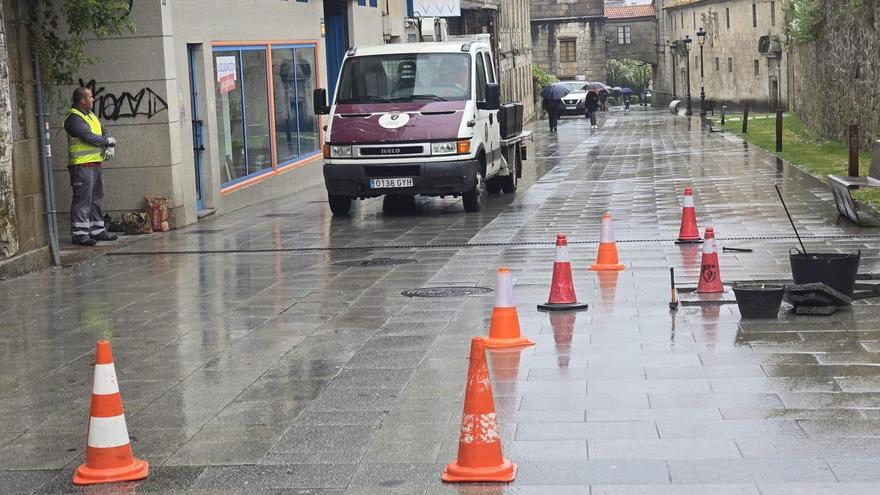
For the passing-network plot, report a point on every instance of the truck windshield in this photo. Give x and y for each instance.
(405, 77)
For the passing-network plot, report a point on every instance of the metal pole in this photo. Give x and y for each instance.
(779, 130)
(702, 87)
(745, 118)
(688, 74)
(723, 112)
(674, 97)
(853, 150)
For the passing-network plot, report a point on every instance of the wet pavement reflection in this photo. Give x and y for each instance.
(250, 360)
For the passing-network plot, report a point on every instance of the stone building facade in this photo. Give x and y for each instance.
(742, 53)
(569, 37)
(631, 32)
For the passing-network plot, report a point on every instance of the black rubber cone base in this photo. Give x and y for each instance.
(575, 306)
(685, 241)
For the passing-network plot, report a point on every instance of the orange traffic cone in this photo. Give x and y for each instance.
(607, 259)
(479, 444)
(504, 327)
(108, 455)
(688, 233)
(710, 272)
(562, 296)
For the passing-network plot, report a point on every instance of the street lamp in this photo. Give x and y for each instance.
(687, 52)
(701, 35)
(672, 47)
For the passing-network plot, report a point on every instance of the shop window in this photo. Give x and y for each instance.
(568, 50)
(374, 3)
(242, 112)
(293, 80)
(250, 108)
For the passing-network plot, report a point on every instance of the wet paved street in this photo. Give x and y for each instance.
(253, 359)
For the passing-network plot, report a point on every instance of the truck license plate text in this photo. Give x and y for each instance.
(386, 183)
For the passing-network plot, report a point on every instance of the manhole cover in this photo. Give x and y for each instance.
(446, 291)
(204, 231)
(376, 262)
(273, 215)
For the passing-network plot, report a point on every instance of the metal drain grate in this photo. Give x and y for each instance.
(446, 291)
(376, 262)
(281, 215)
(204, 231)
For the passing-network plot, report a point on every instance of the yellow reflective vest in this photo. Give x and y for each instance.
(79, 151)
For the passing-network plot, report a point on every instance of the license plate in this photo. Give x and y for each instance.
(390, 183)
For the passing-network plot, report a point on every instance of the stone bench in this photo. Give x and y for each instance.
(842, 186)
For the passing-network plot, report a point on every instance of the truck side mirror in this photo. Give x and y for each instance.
(493, 96)
(319, 100)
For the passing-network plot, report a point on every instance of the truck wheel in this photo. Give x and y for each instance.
(473, 199)
(494, 186)
(339, 205)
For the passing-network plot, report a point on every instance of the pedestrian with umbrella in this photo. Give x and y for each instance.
(591, 105)
(551, 100)
(625, 92)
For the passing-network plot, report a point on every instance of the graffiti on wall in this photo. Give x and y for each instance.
(125, 105)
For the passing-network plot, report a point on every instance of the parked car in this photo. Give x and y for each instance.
(574, 101)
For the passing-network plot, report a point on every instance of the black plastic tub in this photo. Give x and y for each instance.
(758, 301)
(835, 270)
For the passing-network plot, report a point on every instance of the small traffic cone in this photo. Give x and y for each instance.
(479, 444)
(607, 258)
(108, 454)
(689, 233)
(710, 272)
(504, 327)
(562, 296)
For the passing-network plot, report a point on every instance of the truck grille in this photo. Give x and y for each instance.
(392, 151)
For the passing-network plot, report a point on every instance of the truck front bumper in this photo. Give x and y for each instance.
(429, 178)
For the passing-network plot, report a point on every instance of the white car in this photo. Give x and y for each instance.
(574, 100)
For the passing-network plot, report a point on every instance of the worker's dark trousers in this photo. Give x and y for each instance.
(86, 218)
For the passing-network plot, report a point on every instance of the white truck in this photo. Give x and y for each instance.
(420, 118)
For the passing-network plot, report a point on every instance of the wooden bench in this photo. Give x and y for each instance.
(842, 187)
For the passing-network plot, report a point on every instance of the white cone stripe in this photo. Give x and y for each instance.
(504, 291)
(562, 254)
(105, 433)
(105, 380)
(709, 246)
(688, 201)
(607, 232)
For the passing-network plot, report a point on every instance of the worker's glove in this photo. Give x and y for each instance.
(109, 152)
(111, 142)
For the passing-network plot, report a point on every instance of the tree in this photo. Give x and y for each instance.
(627, 72)
(8, 223)
(61, 55)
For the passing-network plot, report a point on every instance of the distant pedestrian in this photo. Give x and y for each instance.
(603, 97)
(626, 101)
(88, 145)
(591, 105)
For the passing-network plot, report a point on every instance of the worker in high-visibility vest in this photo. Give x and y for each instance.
(88, 145)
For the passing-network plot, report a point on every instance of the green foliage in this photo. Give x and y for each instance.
(626, 72)
(542, 78)
(802, 20)
(61, 54)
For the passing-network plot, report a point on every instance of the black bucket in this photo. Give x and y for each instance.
(835, 270)
(758, 301)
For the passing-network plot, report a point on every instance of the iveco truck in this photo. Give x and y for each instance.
(420, 119)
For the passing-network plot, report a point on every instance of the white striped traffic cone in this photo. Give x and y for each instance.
(108, 455)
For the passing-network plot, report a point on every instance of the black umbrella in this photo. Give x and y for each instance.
(554, 92)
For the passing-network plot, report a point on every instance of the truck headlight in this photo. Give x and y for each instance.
(338, 151)
(447, 148)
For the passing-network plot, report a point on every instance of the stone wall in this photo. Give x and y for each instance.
(643, 36)
(836, 79)
(590, 48)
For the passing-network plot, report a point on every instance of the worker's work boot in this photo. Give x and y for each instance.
(84, 241)
(105, 236)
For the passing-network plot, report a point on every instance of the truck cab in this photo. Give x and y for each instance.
(415, 118)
